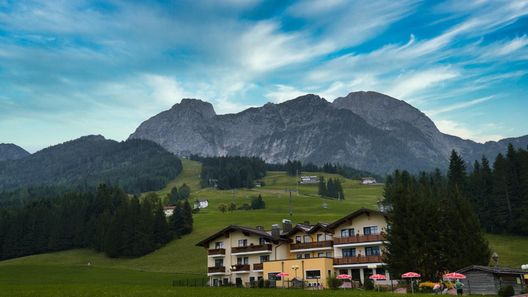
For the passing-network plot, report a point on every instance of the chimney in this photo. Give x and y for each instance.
(286, 225)
(261, 228)
(275, 231)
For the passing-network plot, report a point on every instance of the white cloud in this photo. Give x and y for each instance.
(457, 129)
(281, 93)
(459, 105)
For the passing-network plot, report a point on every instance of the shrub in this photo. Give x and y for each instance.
(506, 291)
(244, 206)
(333, 283)
(369, 285)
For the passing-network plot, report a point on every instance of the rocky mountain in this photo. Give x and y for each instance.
(135, 165)
(365, 130)
(9, 151)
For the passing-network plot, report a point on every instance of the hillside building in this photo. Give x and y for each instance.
(368, 181)
(306, 180)
(308, 253)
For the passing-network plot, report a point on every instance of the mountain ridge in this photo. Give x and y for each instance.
(365, 130)
(11, 151)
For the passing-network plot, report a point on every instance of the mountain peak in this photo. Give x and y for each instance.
(203, 108)
(10, 151)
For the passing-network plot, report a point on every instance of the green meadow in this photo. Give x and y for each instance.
(68, 272)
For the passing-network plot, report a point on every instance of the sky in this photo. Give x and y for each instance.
(72, 68)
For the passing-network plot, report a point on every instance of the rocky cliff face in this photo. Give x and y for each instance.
(9, 151)
(365, 130)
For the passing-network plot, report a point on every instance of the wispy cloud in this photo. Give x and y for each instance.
(460, 105)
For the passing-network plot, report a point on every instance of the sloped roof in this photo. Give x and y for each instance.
(494, 270)
(354, 215)
(242, 229)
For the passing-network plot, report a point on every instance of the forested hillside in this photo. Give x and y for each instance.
(135, 165)
(231, 172)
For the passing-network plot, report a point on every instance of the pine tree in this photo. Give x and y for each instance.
(456, 174)
(187, 218)
(177, 221)
(174, 196)
(322, 190)
(184, 192)
(161, 233)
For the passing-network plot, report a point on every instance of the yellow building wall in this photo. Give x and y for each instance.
(362, 221)
(324, 265)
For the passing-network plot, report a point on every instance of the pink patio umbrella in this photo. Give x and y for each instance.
(411, 275)
(376, 277)
(454, 275)
(282, 274)
(344, 276)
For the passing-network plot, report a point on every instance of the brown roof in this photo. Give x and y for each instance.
(494, 270)
(242, 229)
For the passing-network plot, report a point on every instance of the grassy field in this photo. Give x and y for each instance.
(58, 281)
(182, 259)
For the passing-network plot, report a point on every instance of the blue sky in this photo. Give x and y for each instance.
(72, 68)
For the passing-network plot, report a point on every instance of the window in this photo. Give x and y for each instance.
(312, 274)
(307, 256)
(372, 251)
(264, 258)
(351, 252)
(320, 237)
(347, 232)
(299, 256)
(242, 260)
(307, 238)
(263, 240)
(321, 255)
(219, 262)
(297, 239)
(329, 254)
(219, 245)
(370, 230)
(380, 270)
(242, 242)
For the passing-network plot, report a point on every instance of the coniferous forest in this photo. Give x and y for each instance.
(331, 188)
(295, 167)
(433, 227)
(107, 220)
(231, 172)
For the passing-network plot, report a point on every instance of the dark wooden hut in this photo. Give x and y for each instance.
(488, 280)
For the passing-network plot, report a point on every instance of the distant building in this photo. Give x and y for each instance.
(201, 204)
(309, 179)
(168, 210)
(368, 181)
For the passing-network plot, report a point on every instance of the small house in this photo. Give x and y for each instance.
(199, 204)
(485, 280)
(168, 210)
(368, 181)
(309, 180)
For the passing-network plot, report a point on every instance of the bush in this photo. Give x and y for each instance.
(244, 206)
(506, 291)
(333, 283)
(369, 285)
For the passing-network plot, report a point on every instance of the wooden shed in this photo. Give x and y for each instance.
(487, 280)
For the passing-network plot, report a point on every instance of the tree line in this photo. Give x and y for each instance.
(295, 167)
(107, 220)
(231, 172)
(499, 193)
(331, 188)
(433, 228)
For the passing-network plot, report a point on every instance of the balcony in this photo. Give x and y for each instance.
(216, 252)
(251, 249)
(258, 266)
(240, 268)
(216, 269)
(312, 245)
(357, 260)
(359, 239)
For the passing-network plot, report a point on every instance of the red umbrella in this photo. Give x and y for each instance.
(377, 276)
(410, 275)
(454, 275)
(282, 274)
(344, 276)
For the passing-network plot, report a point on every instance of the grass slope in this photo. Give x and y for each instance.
(182, 256)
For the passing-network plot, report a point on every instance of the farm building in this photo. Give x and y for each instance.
(368, 180)
(309, 180)
(486, 280)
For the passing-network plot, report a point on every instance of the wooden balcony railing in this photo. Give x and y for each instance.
(359, 238)
(258, 266)
(216, 269)
(241, 267)
(251, 248)
(311, 245)
(357, 260)
(216, 252)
